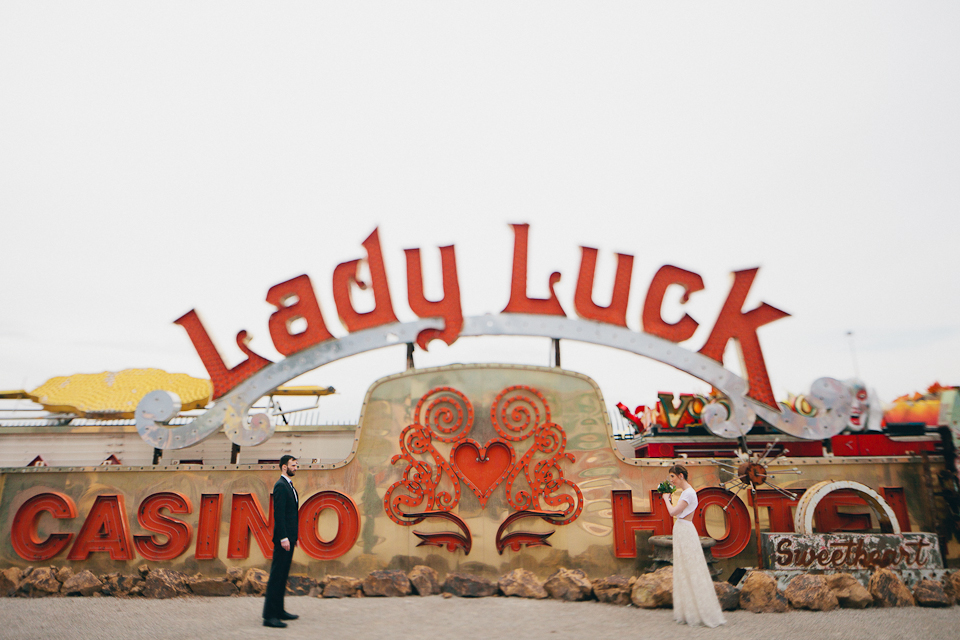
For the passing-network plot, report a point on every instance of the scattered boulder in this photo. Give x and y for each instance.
(888, 590)
(466, 585)
(760, 594)
(569, 584)
(255, 582)
(728, 595)
(522, 584)
(653, 590)
(930, 593)
(212, 587)
(121, 585)
(41, 582)
(850, 593)
(613, 590)
(809, 591)
(388, 583)
(63, 574)
(235, 575)
(424, 580)
(10, 581)
(298, 585)
(341, 587)
(165, 583)
(82, 584)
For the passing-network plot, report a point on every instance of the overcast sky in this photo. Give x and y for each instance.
(162, 157)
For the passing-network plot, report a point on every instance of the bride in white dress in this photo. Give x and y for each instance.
(694, 598)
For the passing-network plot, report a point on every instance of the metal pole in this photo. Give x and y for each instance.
(756, 522)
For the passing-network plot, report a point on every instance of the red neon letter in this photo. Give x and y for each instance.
(447, 307)
(246, 515)
(626, 521)
(306, 307)
(346, 274)
(828, 518)
(616, 312)
(779, 509)
(208, 528)
(178, 532)
(23, 535)
(348, 525)
(898, 502)
(223, 379)
(737, 534)
(742, 327)
(105, 529)
(519, 302)
(652, 320)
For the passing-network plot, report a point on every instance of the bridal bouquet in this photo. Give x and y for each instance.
(666, 487)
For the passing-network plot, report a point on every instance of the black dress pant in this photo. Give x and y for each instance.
(277, 584)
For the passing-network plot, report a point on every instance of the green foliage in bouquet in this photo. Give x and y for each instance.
(666, 487)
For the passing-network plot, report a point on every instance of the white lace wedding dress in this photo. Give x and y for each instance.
(694, 598)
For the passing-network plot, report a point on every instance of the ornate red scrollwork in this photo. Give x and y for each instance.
(445, 415)
(517, 413)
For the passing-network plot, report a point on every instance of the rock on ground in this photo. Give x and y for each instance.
(212, 587)
(613, 590)
(10, 581)
(760, 594)
(391, 583)
(121, 585)
(165, 583)
(569, 584)
(82, 584)
(888, 590)
(728, 595)
(64, 574)
(850, 593)
(40, 582)
(808, 591)
(930, 593)
(298, 585)
(235, 575)
(255, 582)
(424, 580)
(653, 590)
(522, 584)
(341, 587)
(465, 585)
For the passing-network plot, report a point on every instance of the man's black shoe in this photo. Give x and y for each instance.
(274, 622)
(288, 616)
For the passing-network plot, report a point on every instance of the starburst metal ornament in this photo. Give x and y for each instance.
(751, 472)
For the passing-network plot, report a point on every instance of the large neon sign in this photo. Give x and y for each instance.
(236, 389)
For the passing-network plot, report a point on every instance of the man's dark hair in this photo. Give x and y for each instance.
(285, 459)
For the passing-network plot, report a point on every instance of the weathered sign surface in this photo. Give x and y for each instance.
(850, 551)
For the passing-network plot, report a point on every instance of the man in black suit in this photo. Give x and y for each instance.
(285, 529)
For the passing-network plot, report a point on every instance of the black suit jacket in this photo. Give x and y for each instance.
(285, 517)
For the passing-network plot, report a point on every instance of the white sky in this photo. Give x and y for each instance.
(158, 157)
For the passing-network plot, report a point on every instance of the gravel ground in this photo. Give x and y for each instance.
(436, 617)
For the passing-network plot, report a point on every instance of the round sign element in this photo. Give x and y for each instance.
(807, 506)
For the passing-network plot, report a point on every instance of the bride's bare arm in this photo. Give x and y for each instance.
(671, 509)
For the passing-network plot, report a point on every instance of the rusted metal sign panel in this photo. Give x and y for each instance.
(850, 551)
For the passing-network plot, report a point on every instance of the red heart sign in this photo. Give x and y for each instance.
(482, 468)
